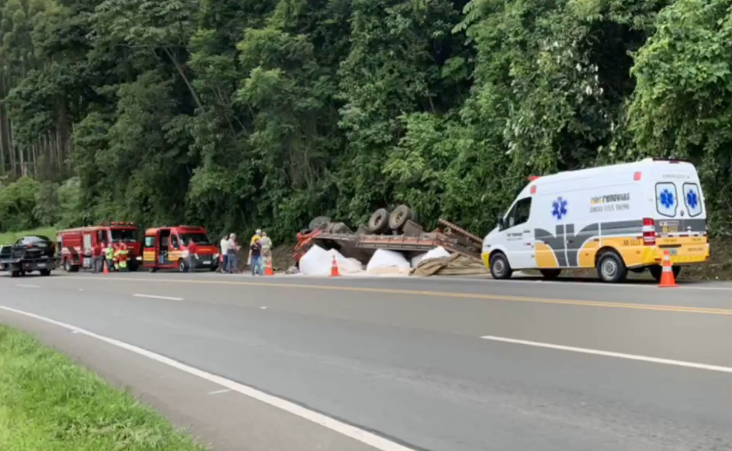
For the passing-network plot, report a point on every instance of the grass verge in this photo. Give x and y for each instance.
(47, 403)
(12, 237)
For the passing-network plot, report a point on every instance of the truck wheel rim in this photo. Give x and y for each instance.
(499, 266)
(609, 268)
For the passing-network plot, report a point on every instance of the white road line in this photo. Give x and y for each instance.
(150, 296)
(699, 366)
(25, 285)
(361, 435)
(218, 392)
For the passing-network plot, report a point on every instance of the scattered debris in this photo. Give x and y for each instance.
(386, 238)
(454, 265)
(386, 262)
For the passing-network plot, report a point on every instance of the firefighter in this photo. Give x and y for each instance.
(115, 255)
(109, 255)
(122, 257)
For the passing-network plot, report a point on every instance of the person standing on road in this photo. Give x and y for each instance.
(224, 257)
(109, 254)
(231, 252)
(256, 252)
(266, 243)
(256, 235)
(97, 258)
(192, 256)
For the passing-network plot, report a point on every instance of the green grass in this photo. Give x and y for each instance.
(47, 403)
(12, 237)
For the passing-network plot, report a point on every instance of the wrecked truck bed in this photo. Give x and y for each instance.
(412, 242)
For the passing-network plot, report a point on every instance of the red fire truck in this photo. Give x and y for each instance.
(168, 248)
(76, 245)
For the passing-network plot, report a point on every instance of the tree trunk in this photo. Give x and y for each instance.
(192, 90)
(4, 132)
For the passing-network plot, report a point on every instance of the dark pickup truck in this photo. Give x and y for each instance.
(28, 254)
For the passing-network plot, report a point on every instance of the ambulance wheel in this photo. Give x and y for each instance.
(550, 273)
(657, 271)
(611, 268)
(182, 267)
(153, 269)
(500, 268)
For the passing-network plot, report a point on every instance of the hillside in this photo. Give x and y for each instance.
(237, 114)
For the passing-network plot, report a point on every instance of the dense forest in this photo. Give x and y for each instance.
(235, 114)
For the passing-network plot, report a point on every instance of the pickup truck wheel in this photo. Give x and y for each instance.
(499, 266)
(45, 272)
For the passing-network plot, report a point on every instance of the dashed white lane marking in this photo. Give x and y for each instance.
(218, 392)
(361, 435)
(27, 285)
(165, 298)
(698, 366)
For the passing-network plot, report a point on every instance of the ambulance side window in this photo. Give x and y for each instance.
(149, 241)
(519, 213)
(174, 241)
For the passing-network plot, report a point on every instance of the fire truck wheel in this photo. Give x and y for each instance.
(67, 265)
(182, 267)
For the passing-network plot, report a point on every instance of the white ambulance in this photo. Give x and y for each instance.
(613, 218)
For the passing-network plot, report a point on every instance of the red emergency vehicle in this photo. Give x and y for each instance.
(181, 247)
(76, 246)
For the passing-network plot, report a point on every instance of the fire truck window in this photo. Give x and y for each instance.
(123, 236)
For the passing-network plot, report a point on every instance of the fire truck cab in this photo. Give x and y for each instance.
(76, 245)
(170, 248)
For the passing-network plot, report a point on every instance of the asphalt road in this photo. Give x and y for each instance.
(565, 366)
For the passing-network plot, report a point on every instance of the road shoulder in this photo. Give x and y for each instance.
(221, 420)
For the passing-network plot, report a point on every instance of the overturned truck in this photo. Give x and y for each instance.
(396, 231)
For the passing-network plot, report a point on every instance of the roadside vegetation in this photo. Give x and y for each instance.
(48, 403)
(240, 114)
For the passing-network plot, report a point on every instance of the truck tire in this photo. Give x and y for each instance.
(318, 223)
(399, 217)
(611, 268)
(182, 267)
(550, 274)
(67, 265)
(379, 221)
(499, 266)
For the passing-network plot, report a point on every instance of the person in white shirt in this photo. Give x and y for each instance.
(231, 252)
(224, 254)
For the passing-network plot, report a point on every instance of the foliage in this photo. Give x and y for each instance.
(237, 114)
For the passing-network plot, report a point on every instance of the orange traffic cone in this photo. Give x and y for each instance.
(106, 267)
(667, 277)
(334, 268)
(268, 269)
